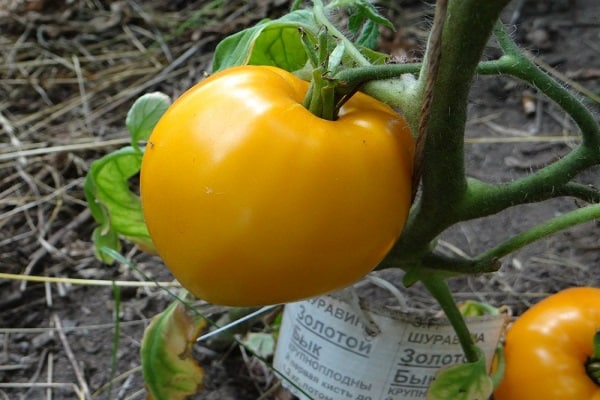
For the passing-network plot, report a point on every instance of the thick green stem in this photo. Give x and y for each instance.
(489, 260)
(444, 183)
(439, 289)
(428, 79)
(481, 199)
(360, 75)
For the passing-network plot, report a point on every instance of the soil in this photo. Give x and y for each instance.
(69, 72)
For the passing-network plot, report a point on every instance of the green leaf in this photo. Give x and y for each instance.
(170, 372)
(468, 381)
(144, 114)
(370, 12)
(364, 21)
(280, 46)
(271, 42)
(114, 206)
(472, 308)
(103, 236)
(116, 209)
(260, 343)
(374, 57)
(355, 21)
(368, 35)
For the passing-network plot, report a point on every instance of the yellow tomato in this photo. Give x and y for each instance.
(548, 347)
(250, 199)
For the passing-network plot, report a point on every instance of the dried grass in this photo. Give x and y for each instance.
(68, 73)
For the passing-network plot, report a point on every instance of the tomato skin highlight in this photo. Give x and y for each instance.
(547, 348)
(250, 199)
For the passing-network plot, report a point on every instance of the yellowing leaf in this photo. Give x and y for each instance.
(260, 343)
(462, 382)
(472, 308)
(170, 372)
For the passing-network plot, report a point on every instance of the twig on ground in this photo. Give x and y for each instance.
(53, 240)
(50, 378)
(72, 360)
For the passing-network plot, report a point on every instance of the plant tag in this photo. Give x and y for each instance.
(324, 350)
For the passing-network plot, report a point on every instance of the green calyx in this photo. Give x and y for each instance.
(592, 364)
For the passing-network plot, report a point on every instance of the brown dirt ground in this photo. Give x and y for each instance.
(68, 73)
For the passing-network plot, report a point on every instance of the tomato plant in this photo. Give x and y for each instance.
(549, 350)
(261, 185)
(251, 199)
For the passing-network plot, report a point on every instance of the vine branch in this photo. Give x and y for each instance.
(444, 182)
(544, 229)
(431, 65)
(438, 287)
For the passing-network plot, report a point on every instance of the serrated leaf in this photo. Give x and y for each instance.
(144, 114)
(271, 42)
(368, 35)
(169, 371)
(116, 209)
(355, 21)
(468, 381)
(370, 12)
(364, 21)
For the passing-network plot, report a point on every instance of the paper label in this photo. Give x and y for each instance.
(324, 351)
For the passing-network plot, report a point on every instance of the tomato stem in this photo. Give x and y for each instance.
(592, 364)
(439, 289)
(477, 199)
(520, 66)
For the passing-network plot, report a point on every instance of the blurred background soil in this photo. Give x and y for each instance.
(69, 70)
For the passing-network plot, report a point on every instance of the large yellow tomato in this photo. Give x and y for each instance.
(250, 199)
(548, 347)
